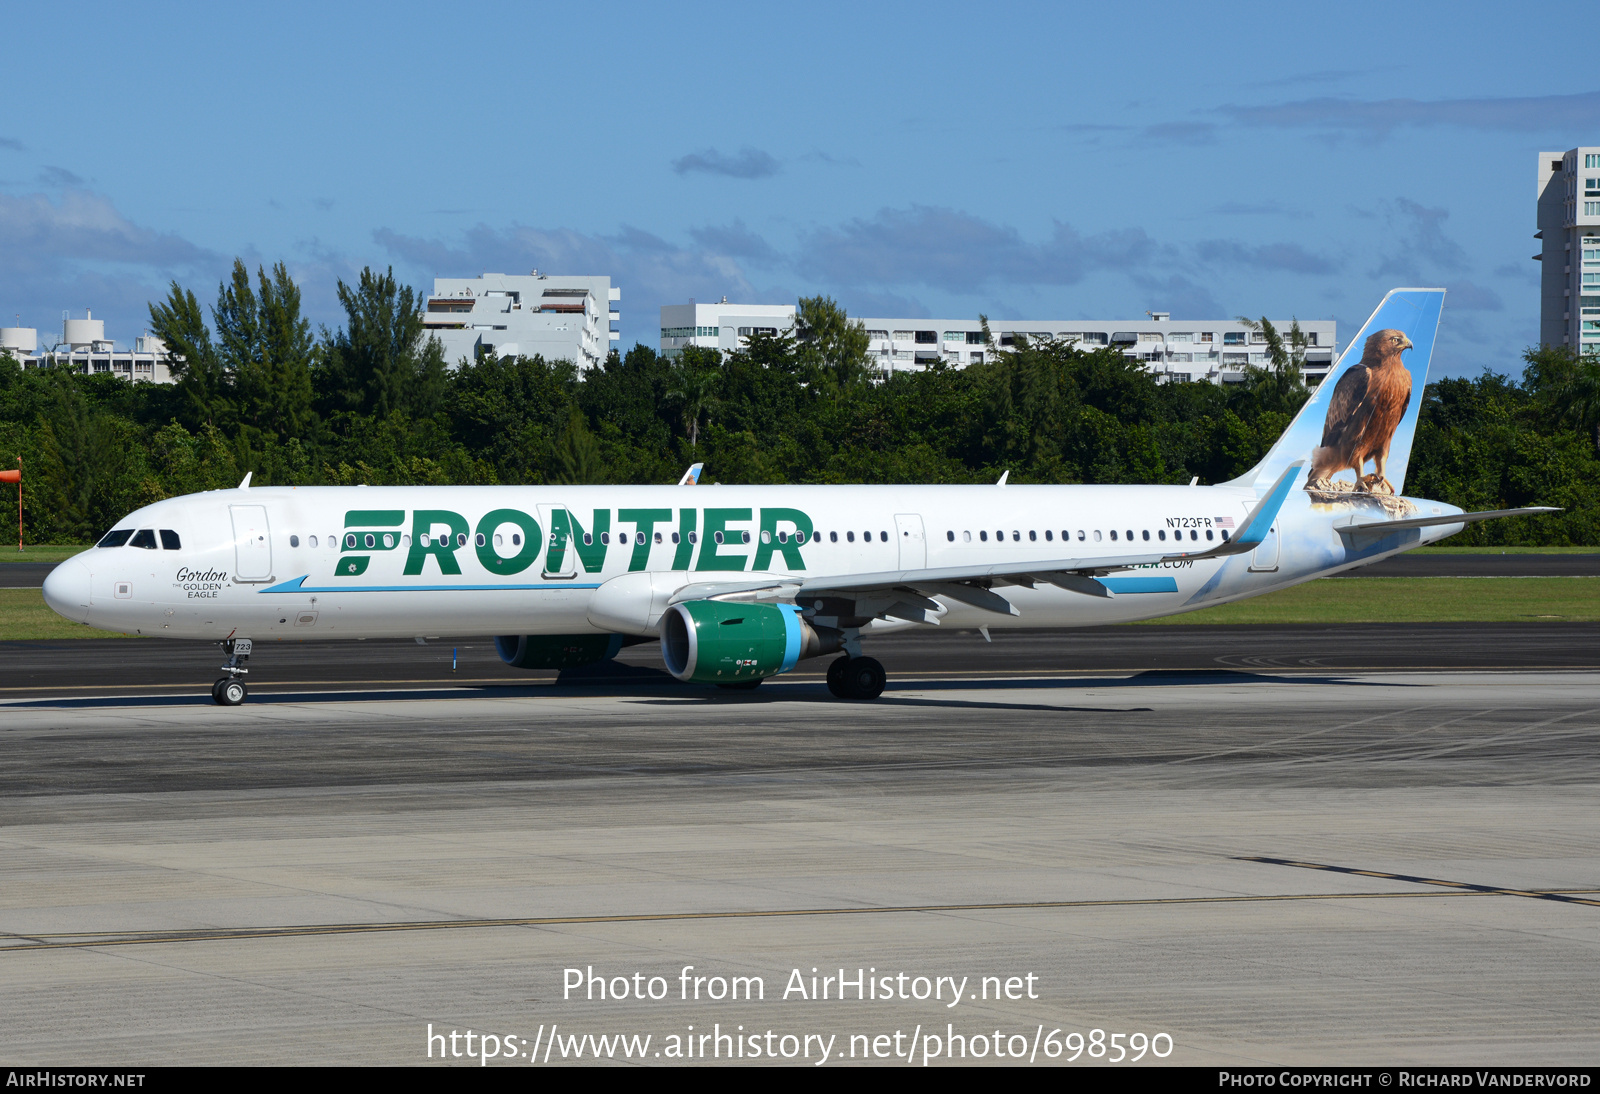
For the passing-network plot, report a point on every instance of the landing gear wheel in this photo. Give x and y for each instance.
(216, 690)
(743, 685)
(230, 693)
(865, 678)
(836, 677)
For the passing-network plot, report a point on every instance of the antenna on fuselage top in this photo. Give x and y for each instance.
(1004, 475)
(244, 483)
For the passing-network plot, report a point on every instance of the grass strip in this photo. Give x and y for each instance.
(24, 617)
(1415, 600)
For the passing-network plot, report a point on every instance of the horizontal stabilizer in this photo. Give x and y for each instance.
(1383, 527)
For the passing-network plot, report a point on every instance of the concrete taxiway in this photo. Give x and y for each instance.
(1270, 867)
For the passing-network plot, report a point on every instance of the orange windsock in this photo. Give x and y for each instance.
(10, 476)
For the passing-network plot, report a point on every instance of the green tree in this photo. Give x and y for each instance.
(692, 387)
(381, 361)
(267, 346)
(206, 387)
(827, 336)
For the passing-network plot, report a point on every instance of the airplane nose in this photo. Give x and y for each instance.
(66, 590)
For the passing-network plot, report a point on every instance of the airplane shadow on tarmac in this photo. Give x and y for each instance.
(651, 686)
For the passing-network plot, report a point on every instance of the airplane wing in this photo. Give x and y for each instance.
(910, 591)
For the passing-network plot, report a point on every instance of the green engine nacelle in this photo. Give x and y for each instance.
(556, 651)
(722, 642)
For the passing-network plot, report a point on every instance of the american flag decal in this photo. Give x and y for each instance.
(1224, 522)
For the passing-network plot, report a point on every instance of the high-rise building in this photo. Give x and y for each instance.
(1217, 350)
(558, 318)
(1569, 227)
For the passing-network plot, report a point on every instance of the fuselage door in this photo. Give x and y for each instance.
(560, 553)
(252, 543)
(913, 545)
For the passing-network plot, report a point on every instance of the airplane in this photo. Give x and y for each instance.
(740, 583)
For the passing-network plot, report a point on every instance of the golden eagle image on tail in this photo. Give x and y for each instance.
(1366, 408)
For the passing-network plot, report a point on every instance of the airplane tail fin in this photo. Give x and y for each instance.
(1415, 314)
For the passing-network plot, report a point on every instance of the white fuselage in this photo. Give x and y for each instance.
(305, 563)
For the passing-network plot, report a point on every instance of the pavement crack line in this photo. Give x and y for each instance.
(90, 939)
(1563, 896)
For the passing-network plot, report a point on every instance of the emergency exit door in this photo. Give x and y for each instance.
(913, 546)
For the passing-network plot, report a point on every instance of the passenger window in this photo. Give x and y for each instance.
(1097, 535)
(744, 537)
(983, 535)
(999, 537)
(145, 538)
(1161, 535)
(1048, 535)
(588, 539)
(950, 537)
(850, 537)
(461, 539)
(516, 539)
(1032, 535)
(1146, 533)
(605, 538)
(1130, 535)
(1113, 535)
(694, 537)
(116, 538)
(1225, 535)
(170, 541)
(833, 537)
(1016, 536)
(405, 539)
(371, 541)
(294, 541)
(966, 537)
(388, 539)
(675, 537)
(883, 537)
(783, 537)
(311, 541)
(716, 537)
(1193, 534)
(1080, 535)
(658, 538)
(1208, 533)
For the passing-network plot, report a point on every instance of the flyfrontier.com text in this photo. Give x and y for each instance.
(845, 985)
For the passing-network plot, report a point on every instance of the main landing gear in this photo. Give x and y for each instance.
(229, 690)
(856, 678)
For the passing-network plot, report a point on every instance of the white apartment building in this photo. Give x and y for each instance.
(558, 318)
(1569, 226)
(720, 325)
(85, 348)
(1217, 350)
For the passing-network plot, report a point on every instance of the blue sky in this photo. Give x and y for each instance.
(1049, 161)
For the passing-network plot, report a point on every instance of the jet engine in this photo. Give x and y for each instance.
(738, 642)
(556, 651)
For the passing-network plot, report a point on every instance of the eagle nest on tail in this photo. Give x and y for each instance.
(1366, 408)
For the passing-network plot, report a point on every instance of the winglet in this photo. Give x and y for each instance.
(691, 477)
(1259, 522)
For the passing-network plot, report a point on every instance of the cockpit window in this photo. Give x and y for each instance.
(170, 541)
(144, 537)
(116, 538)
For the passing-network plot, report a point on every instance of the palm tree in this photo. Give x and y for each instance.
(692, 385)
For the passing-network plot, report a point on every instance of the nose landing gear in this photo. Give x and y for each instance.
(229, 690)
